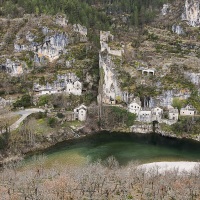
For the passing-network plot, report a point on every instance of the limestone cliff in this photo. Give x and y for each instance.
(110, 91)
(192, 12)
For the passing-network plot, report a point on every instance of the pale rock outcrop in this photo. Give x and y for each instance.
(166, 9)
(105, 37)
(3, 102)
(30, 37)
(20, 47)
(178, 29)
(193, 77)
(166, 99)
(192, 12)
(142, 128)
(82, 30)
(38, 59)
(62, 21)
(14, 68)
(46, 30)
(69, 63)
(53, 46)
(110, 89)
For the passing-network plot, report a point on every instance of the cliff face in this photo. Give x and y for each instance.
(158, 63)
(110, 61)
(35, 49)
(110, 85)
(192, 12)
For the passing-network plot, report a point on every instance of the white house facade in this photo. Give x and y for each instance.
(145, 116)
(74, 88)
(134, 108)
(187, 111)
(173, 114)
(157, 114)
(68, 83)
(81, 113)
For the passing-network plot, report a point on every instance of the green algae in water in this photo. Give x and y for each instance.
(124, 147)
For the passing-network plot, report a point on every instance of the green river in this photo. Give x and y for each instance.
(125, 147)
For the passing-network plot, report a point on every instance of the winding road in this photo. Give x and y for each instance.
(24, 114)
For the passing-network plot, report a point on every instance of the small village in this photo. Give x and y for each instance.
(100, 99)
(147, 109)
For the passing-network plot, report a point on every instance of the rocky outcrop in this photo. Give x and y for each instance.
(62, 21)
(105, 37)
(47, 43)
(30, 36)
(178, 29)
(82, 30)
(110, 85)
(193, 77)
(167, 97)
(14, 68)
(166, 9)
(53, 46)
(142, 128)
(192, 12)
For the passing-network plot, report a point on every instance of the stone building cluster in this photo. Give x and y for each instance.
(148, 115)
(67, 83)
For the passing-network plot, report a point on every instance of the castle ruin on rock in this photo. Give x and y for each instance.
(110, 89)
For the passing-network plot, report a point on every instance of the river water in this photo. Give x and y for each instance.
(125, 147)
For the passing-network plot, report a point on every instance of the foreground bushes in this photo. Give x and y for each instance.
(101, 180)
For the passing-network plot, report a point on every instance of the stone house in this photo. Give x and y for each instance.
(173, 114)
(74, 87)
(145, 116)
(48, 91)
(157, 111)
(187, 111)
(81, 113)
(134, 108)
(146, 71)
(157, 114)
(68, 83)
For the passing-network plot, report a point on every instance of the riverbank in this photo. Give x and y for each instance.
(72, 135)
(161, 167)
